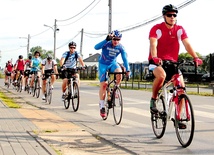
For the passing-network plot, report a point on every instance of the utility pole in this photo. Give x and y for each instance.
(110, 16)
(28, 45)
(55, 29)
(81, 43)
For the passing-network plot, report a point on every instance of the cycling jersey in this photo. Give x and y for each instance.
(110, 53)
(167, 41)
(27, 63)
(71, 59)
(48, 65)
(35, 64)
(20, 65)
(9, 67)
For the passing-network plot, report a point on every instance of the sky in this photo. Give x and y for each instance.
(19, 18)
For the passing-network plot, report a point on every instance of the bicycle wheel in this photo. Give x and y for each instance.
(67, 97)
(49, 94)
(18, 85)
(76, 97)
(185, 135)
(117, 102)
(159, 120)
(34, 88)
(47, 91)
(37, 88)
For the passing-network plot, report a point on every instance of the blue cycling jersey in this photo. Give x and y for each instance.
(109, 53)
(71, 61)
(36, 64)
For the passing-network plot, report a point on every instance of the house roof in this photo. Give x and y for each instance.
(92, 58)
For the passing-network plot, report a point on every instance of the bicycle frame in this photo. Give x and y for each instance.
(177, 90)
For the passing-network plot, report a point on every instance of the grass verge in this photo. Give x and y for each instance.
(8, 102)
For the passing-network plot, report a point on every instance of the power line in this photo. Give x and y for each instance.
(69, 40)
(82, 16)
(78, 13)
(182, 5)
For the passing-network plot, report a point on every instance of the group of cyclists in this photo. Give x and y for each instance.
(34, 65)
(164, 46)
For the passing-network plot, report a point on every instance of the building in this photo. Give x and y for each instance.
(92, 60)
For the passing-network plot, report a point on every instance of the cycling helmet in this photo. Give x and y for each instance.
(116, 34)
(9, 61)
(169, 8)
(20, 57)
(30, 57)
(72, 44)
(49, 57)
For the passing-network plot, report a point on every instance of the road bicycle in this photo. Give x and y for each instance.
(72, 90)
(113, 98)
(174, 104)
(19, 83)
(49, 90)
(36, 86)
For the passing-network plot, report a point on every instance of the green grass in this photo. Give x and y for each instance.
(8, 102)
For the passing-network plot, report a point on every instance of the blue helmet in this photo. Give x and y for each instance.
(117, 34)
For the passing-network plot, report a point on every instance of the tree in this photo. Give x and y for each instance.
(43, 52)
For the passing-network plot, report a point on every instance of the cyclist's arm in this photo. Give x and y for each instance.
(81, 61)
(189, 48)
(55, 67)
(153, 46)
(100, 45)
(61, 62)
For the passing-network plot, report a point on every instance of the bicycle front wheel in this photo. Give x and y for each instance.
(76, 97)
(185, 125)
(117, 102)
(159, 120)
(48, 97)
(37, 90)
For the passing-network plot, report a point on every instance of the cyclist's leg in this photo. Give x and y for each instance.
(64, 83)
(44, 79)
(53, 78)
(77, 78)
(103, 86)
(115, 67)
(159, 77)
(23, 79)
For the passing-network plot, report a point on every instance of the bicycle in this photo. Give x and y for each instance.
(113, 98)
(48, 93)
(36, 87)
(18, 84)
(72, 90)
(170, 101)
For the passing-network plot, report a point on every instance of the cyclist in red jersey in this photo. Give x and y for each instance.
(8, 71)
(19, 69)
(164, 45)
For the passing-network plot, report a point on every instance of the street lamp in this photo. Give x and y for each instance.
(54, 29)
(28, 43)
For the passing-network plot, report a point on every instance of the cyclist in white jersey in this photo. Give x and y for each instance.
(49, 66)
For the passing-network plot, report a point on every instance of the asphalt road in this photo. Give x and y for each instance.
(134, 134)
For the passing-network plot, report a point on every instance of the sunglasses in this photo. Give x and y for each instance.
(116, 39)
(72, 47)
(170, 15)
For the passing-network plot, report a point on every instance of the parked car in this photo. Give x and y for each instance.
(206, 77)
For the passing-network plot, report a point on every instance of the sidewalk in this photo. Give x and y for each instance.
(30, 130)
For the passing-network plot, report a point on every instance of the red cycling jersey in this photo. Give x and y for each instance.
(167, 40)
(20, 65)
(9, 67)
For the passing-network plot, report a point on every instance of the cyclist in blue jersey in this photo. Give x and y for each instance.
(69, 60)
(111, 48)
(35, 67)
